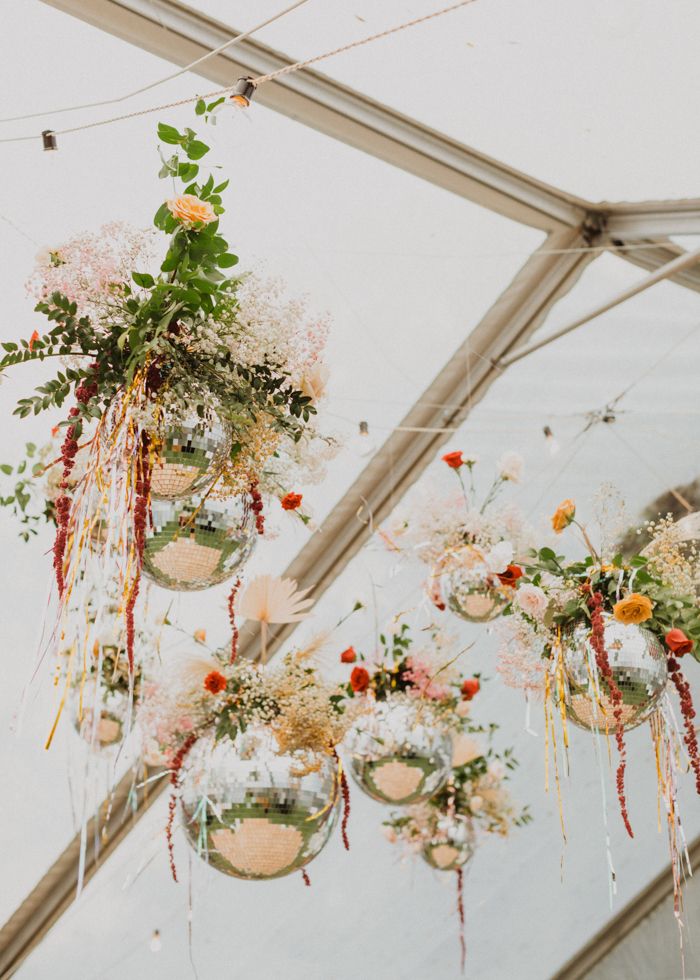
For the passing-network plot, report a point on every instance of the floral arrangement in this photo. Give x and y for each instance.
(470, 547)
(426, 674)
(144, 350)
(607, 633)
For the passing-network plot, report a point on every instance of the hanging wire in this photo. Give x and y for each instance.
(161, 81)
(259, 80)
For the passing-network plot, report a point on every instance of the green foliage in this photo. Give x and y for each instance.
(24, 497)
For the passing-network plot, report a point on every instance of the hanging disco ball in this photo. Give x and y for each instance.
(196, 543)
(110, 727)
(254, 813)
(191, 455)
(470, 592)
(638, 665)
(398, 754)
(447, 855)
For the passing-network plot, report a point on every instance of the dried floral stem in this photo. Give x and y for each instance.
(232, 620)
(460, 914)
(595, 604)
(345, 790)
(141, 516)
(690, 738)
(305, 876)
(175, 769)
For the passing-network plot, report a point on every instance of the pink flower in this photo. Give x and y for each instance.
(532, 600)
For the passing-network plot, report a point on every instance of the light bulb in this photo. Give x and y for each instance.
(363, 444)
(155, 942)
(48, 138)
(552, 443)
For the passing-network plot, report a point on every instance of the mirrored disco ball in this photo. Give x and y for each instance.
(447, 855)
(111, 724)
(398, 755)
(191, 456)
(197, 543)
(252, 813)
(475, 603)
(638, 664)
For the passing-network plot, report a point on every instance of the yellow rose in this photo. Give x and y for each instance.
(189, 210)
(563, 515)
(635, 608)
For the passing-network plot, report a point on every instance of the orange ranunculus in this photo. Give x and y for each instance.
(189, 210)
(634, 608)
(291, 501)
(215, 682)
(678, 642)
(563, 515)
(454, 460)
(33, 339)
(510, 576)
(470, 688)
(359, 679)
(348, 656)
(200, 636)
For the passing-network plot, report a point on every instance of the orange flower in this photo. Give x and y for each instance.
(348, 656)
(33, 339)
(510, 576)
(678, 642)
(470, 688)
(454, 460)
(563, 515)
(200, 636)
(291, 501)
(634, 608)
(189, 210)
(359, 679)
(215, 682)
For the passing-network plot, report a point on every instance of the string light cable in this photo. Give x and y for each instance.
(256, 81)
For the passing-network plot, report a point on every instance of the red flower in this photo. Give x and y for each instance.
(33, 339)
(291, 501)
(348, 656)
(510, 576)
(215, 682)
(359, 680)
(454, 460)
(678, 642)
(470, 687)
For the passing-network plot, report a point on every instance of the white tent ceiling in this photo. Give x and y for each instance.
(407, 271)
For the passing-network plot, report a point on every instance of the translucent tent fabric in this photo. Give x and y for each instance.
(406, 271)
(593, 98)
(368, 266)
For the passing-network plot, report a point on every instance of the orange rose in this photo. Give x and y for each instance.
(189, 210)
(215, 682)
(470, 688)
(678, 642)
(348, 656)
(633, 609)
(510, 576)
(453, 460)
(563, 515)
(33, 339)
(359, 679)
(200, 636)
(291, 501)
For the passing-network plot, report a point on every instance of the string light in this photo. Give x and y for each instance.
(49, 140)
(244, 91)
(155, 943)
(363, 444)
(552, 443)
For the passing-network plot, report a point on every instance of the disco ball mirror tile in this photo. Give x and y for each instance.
(196, 543)
(397, 756)
(191, 456)
(253, 813)
(638, 663)
(110, 727)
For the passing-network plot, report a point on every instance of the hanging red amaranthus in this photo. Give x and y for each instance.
(688, 712)
(460, 915)
(175, 769)
(232, 620)
(305, 876)
(257, 508)
(141, 517)
(595, 604)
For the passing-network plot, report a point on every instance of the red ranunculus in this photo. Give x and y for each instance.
(348, 656)
(359, 679)
(215, 682)
(291, 501)
(510, 576)
(678, 642)
(470, 688)
(454, 460)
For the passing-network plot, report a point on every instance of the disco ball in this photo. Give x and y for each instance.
(447, 855)
(196, 543)
(191, 455)
(110, 728)
(638, 665)
(397, 754)
(253, 813)
(475, 603)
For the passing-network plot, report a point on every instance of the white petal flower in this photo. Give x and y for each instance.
(499, 557)
(510, 467)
